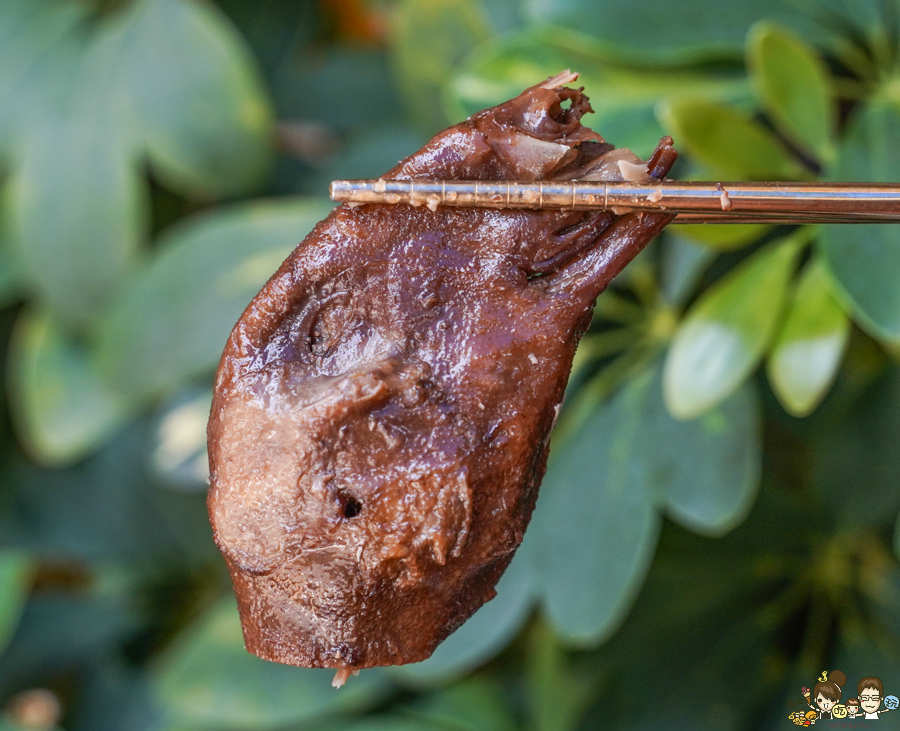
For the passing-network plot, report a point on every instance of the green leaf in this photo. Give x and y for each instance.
(20, 33)
(77, 239)
(172, 321)
(61, 629)
(168, 78)
(710, 645)
(806, 356)
(74, 199)
(16, 571)
(104, 510)
(178, 456)
(474, 704)
(430, 39)
(897, 537)
(865, 259)
(209, 680)
(367, 154)
(10, 280)
(654, 31)
(13, 279)
(794, 85)
(195, 97)
(6, 725)
(623, 99)
(390, 723)
(62, 409)
(726, 332)
(115, 694)
(279, 31)
(706, 469)
(596, 522)
(558, 694)
(365, 76)
(485, 633)
(855, 460)
(28, 29)
(682, 265)
(595, 526)
(859, 17)
(723, 237)
(729, 143)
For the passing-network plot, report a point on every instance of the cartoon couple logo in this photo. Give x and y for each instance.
(824, 700)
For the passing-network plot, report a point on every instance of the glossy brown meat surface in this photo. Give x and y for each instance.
(383, 408)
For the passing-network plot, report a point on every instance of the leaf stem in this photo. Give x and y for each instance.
(599, 389)
(616, 308)
(818, 627)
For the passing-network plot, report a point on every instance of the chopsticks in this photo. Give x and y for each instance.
(693, 202)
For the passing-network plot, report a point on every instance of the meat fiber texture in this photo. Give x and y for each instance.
(383, 408)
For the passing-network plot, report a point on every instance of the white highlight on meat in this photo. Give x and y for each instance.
(532, 158)
(606, 167)
(633, 172)
(655, 196)
(561, 79)
(341, 677)
(725, 201)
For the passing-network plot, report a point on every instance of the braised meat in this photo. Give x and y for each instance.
(383, 407)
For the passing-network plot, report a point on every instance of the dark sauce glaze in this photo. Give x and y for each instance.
(383, 408)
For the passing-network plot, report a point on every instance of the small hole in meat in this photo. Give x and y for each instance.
(350, 507)
(572, 105)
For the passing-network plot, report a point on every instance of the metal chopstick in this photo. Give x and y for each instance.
(693, 202)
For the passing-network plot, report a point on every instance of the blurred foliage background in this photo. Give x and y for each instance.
(719, 519)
